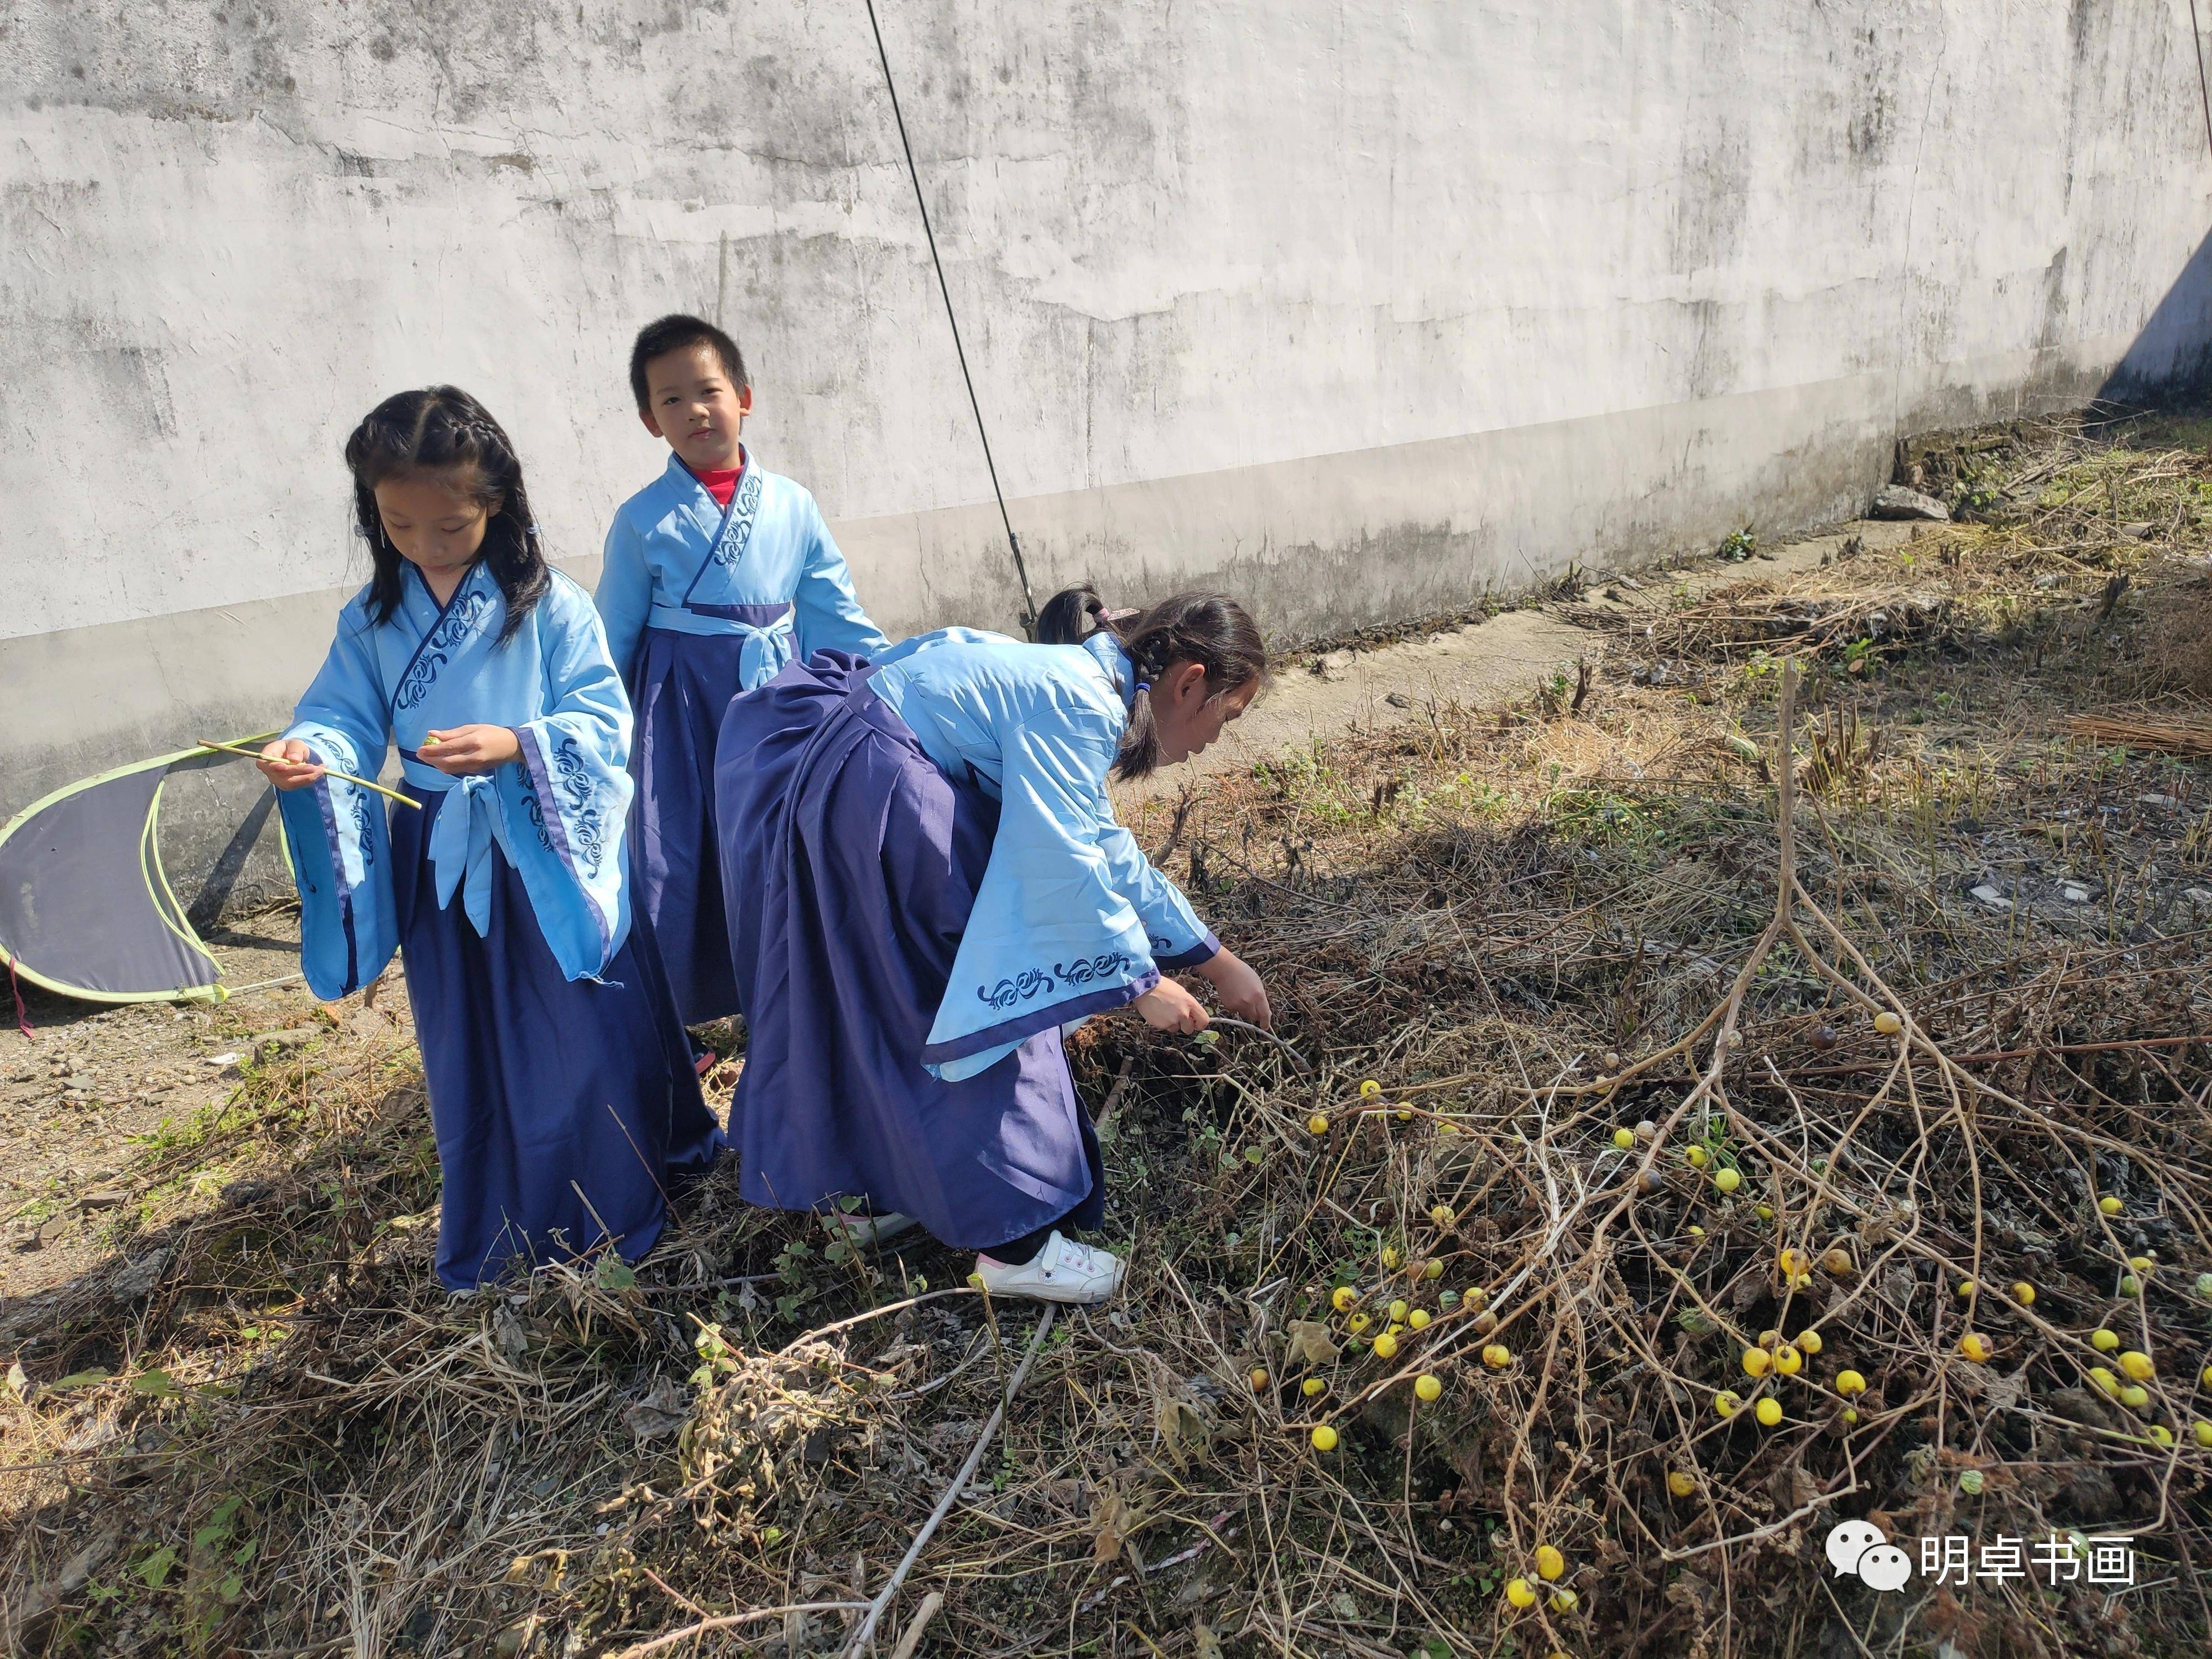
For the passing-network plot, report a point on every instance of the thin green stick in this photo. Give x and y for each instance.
(328, 771)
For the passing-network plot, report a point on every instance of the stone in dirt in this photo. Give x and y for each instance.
(1896, 501)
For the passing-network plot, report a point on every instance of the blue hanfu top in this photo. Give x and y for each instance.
(1072, 918)
(763, 569)
(557, 814)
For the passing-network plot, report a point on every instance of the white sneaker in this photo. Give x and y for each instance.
(1064, 1271)
(866, 1230)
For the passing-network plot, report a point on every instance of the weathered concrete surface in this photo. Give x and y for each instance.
(1357, 309)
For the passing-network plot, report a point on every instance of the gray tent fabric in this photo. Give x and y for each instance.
(85, 907)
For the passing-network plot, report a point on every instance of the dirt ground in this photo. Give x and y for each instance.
(1665, 1164)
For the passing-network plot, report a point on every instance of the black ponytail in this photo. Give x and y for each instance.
(1209, 630)
(441, 429)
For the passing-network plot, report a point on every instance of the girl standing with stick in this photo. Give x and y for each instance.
(560, 1083)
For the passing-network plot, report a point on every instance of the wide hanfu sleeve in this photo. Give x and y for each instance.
(1051, 939)
(829, 614)
(563, 806)
(624, 595)
(1179, 939)
(335, 833)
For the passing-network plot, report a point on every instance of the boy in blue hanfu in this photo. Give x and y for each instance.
(561, 1084)
(717, 574)
(936, 886)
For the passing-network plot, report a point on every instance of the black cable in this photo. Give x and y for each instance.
(2203, 93)
(1021, 570)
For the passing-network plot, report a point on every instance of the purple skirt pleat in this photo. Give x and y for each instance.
(541, 1085)
(860, 860)
(680, 685)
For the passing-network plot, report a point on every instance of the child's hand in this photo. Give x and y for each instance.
(466, 749)
(1239, 988)
(288, 763)
(1168, 1007)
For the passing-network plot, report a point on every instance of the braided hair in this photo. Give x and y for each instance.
(441, 429)
(1208, 629)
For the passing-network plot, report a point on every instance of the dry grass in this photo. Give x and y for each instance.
(1533, 929)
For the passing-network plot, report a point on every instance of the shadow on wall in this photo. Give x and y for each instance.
(2172, 356)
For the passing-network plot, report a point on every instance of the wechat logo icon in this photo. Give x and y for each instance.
(1858, 1548)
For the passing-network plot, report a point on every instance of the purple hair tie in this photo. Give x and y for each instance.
(1143, 685)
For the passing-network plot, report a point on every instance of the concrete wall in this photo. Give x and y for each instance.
(1357, 309)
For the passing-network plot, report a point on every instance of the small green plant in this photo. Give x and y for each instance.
(1739, 545)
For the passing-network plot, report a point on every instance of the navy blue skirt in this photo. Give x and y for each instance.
(860, 860)
(541, 1085)
(679, 686)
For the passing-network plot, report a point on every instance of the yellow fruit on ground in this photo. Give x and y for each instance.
(1442, 1214)
(1965, 1287)
(1357, 1323)
(1726, 1403)
(1428, 1388)
(1475, 1295)
(2137, 1364)
(2134, 1396)
(1324, 1438)
(2160, 1433)
(2103, 1341)
(2130, 1286)
(1810, 1341)
(1769, 1412)
(1850, 1416)
(1317, 1125)
(1520, 1592)
(1405, 1112)
(1370, 1089)
(1766, 1213)
(2105, 1380)
(2202, 1430)
(1398, 1310)
(2141, 1264)
(1311, 1387)
(2023, 1292)
(1757, 1362)
(2109, 1205)
(2207, 1378)
(1849, 1384)
(1696, 1231)
(1792, 1263)
(1976, 1347)
(1485, 1323)
(1887, 1024)
(1386, 1346)
(1680, 1484)
(1419, 1318)
(1259, 1379)
(1342, 1298)
(1435, 1269)
(1770, 1341)
(1727, 1180)
(1788, 1360)
(1624, 1139)
(1497, 1355)
(1391, 1257)
(1549, 1562)
(1837, 1261)
(1699, 1158)
(1564, 1600)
